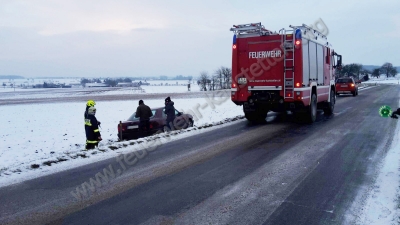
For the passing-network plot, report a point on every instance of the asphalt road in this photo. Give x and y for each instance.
(281, 172)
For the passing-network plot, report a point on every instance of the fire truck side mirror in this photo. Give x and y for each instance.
(339, 61)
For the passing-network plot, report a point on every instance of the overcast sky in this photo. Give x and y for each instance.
(105, 38)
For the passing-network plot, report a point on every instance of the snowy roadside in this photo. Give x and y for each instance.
(46, 138)
(382, 205)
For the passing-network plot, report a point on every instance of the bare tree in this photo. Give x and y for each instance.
(219, 75)
(357, 68)
(209, 84)
(393, 72)
(388, 69)
(204, 77)
(376, 73)
(224, 75)
(353, 69)
(227, 72)
(214, 82)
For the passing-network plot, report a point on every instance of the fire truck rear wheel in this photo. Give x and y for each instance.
(250, 116)
(256, 116)
(312, 111)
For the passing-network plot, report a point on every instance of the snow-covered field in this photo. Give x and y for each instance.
(170, 86)
(33, 81)
(155, 89)
(37, 134)
(384, 80)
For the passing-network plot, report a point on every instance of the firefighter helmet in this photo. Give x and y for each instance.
(92, 111)
(91, 103)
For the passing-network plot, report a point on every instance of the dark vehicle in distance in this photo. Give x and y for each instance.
(129, 129)
(346, 86)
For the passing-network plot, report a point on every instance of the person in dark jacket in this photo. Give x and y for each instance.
(397, 112)
(169, 110)
(93, 136)
(144, 113)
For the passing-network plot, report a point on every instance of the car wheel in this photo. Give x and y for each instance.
(165, 129)
(190, 123)
(354, 93)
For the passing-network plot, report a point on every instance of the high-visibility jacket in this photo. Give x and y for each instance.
(91, 128)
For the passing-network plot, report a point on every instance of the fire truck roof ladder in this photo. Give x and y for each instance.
(288, 63)
(306, 29)
(250, 28)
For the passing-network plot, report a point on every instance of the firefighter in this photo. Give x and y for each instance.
(93, 136)
(397, 112)
(144, 113)
(169, 110)
(90, 103)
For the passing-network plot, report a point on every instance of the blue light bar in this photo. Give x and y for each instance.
(298, 34)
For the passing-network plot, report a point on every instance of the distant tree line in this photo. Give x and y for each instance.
(353, 70)
(109, 81)
(51, 85)
(84, 81)
(220, 79)
(113, 82)
(180, 77)
(356, 70)
(11, 77)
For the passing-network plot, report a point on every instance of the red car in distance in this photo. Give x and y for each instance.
(346, 85)
(129, 129)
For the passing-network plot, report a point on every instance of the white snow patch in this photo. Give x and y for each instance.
(384, 80)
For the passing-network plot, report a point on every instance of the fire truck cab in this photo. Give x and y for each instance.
(293, 70)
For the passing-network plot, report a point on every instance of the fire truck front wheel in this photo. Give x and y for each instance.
(312, 110)
(331, 104)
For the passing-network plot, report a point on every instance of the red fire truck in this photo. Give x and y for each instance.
(292, 70)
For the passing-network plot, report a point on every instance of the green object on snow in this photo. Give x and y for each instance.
(385, 111)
